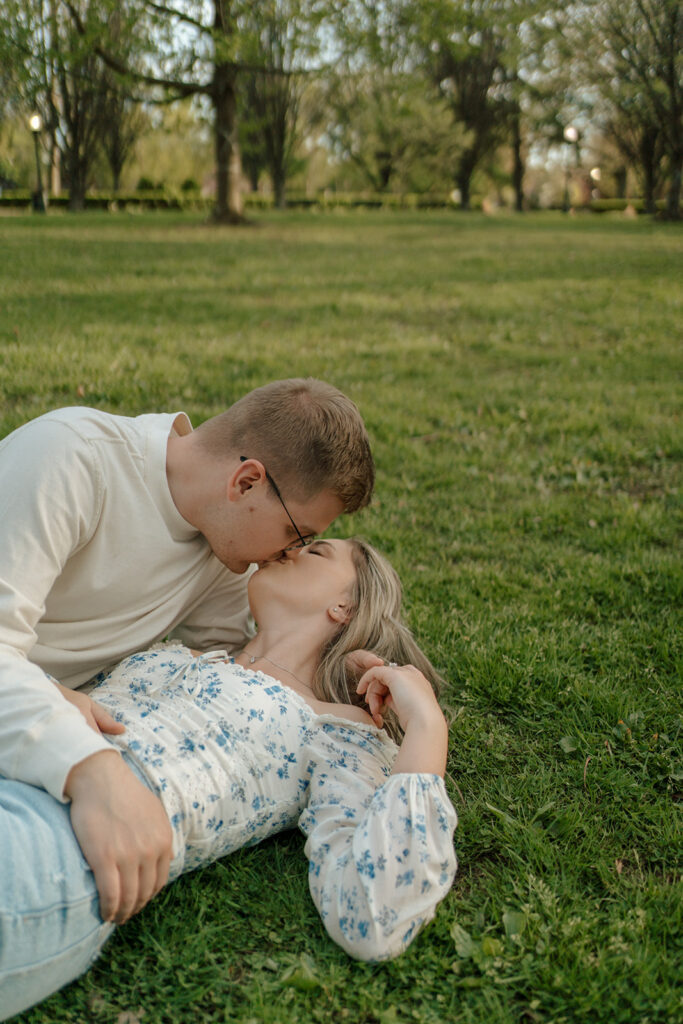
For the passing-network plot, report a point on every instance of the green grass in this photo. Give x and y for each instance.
(520, 378)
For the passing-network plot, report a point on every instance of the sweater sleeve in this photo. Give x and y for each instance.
(50, 496)
(379, 846)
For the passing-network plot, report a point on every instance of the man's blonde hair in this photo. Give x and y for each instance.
(308, 435)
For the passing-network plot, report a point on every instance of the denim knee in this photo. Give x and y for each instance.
(50, 927)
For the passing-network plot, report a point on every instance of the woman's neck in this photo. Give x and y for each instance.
(293, 660)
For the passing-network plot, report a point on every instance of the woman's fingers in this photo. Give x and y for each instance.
(380, 673)
(377, 695)
(375, 703)
(358, 662)
(403, 688)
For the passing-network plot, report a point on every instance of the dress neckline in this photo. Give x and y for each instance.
(296, 698)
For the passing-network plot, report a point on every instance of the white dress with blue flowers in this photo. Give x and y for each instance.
(236, 756)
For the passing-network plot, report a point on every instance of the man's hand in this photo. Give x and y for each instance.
(97, 717)
(123, 831)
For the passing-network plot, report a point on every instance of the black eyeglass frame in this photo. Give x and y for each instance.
(302, 542)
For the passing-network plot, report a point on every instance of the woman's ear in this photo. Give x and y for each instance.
(340, 613)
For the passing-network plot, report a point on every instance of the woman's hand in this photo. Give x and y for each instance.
(358, 662)
(401, 688)
(406, 691)
(95, 715)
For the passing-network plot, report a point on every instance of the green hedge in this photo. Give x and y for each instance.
(618, 205)
(157, 199)
(166, 199)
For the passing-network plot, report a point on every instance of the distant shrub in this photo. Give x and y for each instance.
(615, 205)
(189, 185)
(145, 185)
(612, 205)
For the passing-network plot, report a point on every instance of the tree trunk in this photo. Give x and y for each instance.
(253, 173)
(228, 208)
(385, 168)
(673, 199)
(649, 191)
(518, 168)
(279, 188)
(463, 177)
(55, 169)
(77, 182)
(649, 162)
(76, 200)
(464, 187)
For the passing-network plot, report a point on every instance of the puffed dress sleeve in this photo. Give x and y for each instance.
(379, 846)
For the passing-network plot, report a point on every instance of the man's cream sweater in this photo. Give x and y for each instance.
(96, 563)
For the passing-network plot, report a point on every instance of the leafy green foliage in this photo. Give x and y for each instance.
(519, 381)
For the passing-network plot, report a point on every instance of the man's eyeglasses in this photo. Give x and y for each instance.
(302, 541)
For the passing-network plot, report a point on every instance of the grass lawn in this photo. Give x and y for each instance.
(520, 379)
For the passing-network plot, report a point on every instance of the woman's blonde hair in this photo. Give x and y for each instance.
(375, 624)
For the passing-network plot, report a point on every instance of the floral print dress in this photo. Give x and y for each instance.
(235, 756)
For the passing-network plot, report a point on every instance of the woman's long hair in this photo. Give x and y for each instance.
(375, 625)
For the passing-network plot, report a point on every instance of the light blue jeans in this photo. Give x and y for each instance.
(50, 925)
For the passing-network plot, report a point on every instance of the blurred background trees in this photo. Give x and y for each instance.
(469, 99)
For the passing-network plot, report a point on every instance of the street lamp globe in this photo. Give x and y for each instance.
(571, 134)
(35, 123)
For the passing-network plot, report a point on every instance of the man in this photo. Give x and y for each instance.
(115, 532)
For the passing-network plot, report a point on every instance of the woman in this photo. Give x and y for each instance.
(240, 748)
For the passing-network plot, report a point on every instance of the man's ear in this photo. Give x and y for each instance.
(248, 474)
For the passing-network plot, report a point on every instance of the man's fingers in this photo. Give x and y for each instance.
(104, 721)
(108, 888)
(123, 831)
(163, 867)
(151, 880)
(129, 875)
(126, 889)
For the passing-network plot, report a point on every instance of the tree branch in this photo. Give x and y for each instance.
(183, 89)
(187, 19)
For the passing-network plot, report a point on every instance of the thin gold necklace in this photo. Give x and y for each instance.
(262, 657)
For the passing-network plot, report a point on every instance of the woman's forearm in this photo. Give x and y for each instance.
(377, 872)
(425, 746)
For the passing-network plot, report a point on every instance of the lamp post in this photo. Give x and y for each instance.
(595, 176)
(36, 126)
(571, 137)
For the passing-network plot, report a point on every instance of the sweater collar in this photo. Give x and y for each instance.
(179, 422)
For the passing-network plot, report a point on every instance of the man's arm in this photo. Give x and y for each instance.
(123, 831)
(101, 795)
(50, 497)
